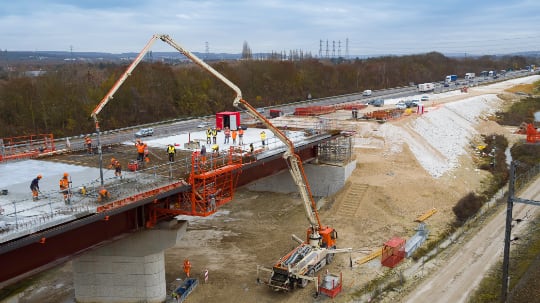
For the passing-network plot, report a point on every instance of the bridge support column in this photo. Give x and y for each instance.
(131, 269)
(324, 180)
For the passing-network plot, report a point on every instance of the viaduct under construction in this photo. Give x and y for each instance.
(142, 206)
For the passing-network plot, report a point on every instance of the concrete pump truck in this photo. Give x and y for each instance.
(299, 266)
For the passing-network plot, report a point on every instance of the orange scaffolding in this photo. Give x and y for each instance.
(23, 147)
(533, 135)
(213, 180)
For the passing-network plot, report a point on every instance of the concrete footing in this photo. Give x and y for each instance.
(128, 270)
(324, 180)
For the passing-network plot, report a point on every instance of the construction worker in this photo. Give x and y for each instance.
(215, 148)
(203, 153)
(88, 143)
(171, 151)
(111, 165)
(240, 135)
(234, 134)
(214, 136)
(64, 188)
(103, 195)
(251, 148)
(34, 186)
(117, 168)
(227, 133)
(212, 202)
(263, 138)
(187, 267)
(146, 153)
(140, 150)
(209, 136)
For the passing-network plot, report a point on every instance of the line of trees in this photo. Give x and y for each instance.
(61, 100)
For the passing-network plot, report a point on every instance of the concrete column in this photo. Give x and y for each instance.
(131, 269)
(324, 180)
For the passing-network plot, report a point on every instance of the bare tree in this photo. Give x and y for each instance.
(246, 52)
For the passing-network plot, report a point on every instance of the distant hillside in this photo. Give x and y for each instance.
(56, 56)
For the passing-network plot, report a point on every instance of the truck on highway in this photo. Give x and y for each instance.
(469, 76)
(450, 78)
(426, 87)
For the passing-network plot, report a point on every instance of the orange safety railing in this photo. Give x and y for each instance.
(384, 114)
(23, 147)
(313, 110)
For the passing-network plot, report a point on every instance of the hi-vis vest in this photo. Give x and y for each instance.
(171, 150)
(64, 183)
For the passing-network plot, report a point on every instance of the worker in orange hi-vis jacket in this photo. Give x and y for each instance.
(64, 188)
(187, 267)
(103, 194)
(227, 133)
(88, 143)
(140, 150)
(234, 134)
(240, 135)
(146, 153)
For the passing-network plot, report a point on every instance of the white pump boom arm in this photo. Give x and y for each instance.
(293, 160)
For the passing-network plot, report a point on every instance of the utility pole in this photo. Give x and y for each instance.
(505, 283)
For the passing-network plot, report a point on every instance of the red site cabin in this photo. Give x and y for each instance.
(393, 252)
(228, 119)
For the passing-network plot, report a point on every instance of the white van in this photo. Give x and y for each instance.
(367, 92)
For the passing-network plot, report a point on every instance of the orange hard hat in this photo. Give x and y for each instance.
(39, 176)
(66, 174)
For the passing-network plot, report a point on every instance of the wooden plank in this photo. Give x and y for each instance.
(370, 257)
(426, 215)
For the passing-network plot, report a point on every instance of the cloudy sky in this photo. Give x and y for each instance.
(370, 27)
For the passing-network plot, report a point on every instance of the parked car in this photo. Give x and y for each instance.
(203, 125)
(424, 98)
(367, 92)
(401, 105)
(416, 102)
(144, 132)
(377, 102)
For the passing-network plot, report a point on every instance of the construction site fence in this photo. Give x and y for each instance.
(524, 178)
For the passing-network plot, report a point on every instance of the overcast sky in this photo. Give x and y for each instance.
(371, 27)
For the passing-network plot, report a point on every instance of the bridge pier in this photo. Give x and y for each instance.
(131, 269)
(324, 180)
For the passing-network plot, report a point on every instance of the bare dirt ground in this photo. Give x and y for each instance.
(383, 196)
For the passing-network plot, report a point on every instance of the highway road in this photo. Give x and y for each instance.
(184, 125)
